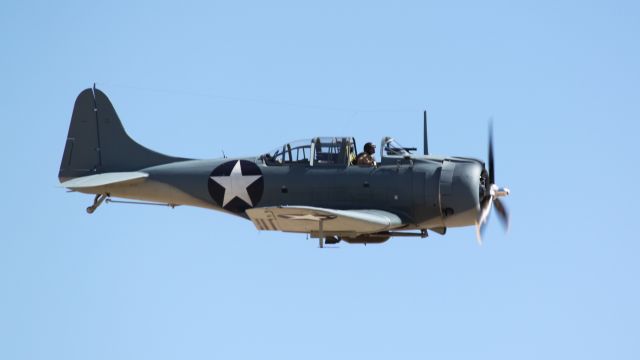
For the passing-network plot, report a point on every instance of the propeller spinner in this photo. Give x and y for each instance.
(492, 195)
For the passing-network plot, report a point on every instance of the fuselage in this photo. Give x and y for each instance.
(425, 191)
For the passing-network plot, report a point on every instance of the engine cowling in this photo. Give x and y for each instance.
(460, 191)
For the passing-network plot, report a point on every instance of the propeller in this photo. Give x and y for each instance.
(492, 196)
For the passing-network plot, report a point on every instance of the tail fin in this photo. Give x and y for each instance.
(97, 142)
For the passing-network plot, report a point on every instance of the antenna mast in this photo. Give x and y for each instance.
(425, 139)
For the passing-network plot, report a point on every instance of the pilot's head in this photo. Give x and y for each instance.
(369, 148)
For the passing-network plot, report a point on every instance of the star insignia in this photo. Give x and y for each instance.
(235, 185)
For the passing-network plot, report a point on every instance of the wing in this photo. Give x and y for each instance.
(306, 219)
(106, 179)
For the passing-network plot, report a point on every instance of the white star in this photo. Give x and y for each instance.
(236, 184)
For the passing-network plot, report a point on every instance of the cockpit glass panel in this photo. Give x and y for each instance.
(297, 152)
(333, 151)
(393, 148)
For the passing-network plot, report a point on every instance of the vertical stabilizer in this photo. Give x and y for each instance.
(97, 142)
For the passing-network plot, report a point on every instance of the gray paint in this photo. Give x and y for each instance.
(97, 142)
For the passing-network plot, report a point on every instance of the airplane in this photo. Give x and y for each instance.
(311, 187)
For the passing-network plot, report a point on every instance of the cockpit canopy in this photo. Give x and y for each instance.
(327, 151)
(320, 151)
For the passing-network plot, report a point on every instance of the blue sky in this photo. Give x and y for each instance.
(192, 79)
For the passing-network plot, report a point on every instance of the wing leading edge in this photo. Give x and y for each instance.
(305, 219)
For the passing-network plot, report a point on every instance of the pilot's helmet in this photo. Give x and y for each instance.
(369, 148)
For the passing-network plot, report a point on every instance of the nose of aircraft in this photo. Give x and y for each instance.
(462, 186)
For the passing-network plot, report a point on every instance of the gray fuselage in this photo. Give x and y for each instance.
(426, 192)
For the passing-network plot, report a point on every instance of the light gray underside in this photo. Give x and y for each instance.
(304, 219)
(91, 181)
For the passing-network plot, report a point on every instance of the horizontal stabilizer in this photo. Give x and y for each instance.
(98, 180)
(307, 219)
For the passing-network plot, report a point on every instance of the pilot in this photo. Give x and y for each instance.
(366, 157)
